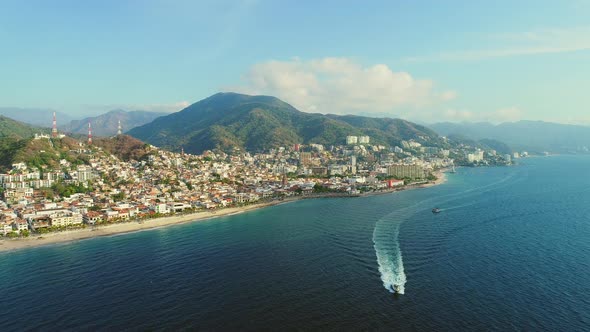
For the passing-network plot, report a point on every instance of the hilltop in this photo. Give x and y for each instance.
(257, 123)
(48, 153)
(17, 129)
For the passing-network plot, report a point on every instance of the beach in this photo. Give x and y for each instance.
(36, 240)
(125, 227)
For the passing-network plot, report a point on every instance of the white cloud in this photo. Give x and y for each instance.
(341, 85)
(544, 41)
(506, 114)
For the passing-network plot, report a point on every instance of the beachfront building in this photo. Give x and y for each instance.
(20, 225)
(66, 218)
(92, 217)
(5, 227)
(406, 171)
(394, 183)
(160, 208)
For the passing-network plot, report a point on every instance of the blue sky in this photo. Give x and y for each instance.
(428, 61)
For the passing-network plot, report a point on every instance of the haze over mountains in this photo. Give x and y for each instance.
(40, 117)
(257, 123)
(107, 124)
(102, 125)
(534, 136)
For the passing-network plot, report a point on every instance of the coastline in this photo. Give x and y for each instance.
(125, 227)
(134, 226)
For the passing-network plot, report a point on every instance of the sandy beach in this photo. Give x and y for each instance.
(128, 227)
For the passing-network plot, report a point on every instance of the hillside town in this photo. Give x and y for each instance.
(107, 190)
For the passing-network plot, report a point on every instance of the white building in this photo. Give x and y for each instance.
(84, 173)
(351, 140)
(475, 157)
(364, 139)
(161, 208)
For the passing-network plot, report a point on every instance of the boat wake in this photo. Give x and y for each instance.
(386, 234)
(389, 256)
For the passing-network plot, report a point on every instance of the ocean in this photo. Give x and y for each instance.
(510, 250)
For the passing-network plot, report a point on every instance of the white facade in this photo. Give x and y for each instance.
(352, 140)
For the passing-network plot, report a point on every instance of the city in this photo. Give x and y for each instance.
(108, 190)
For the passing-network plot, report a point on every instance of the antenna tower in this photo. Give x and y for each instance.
(54, 127)
(89, 134)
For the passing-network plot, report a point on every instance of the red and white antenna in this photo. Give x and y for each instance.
(54, 127)
(89, 134)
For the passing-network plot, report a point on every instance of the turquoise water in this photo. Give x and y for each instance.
(510, 250)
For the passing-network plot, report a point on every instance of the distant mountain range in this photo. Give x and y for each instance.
(256, 123)
(35, 116)
(533, 136)
(107, 124)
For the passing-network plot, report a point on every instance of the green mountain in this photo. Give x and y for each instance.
(256, 123)
(107, 124)
(16, 129)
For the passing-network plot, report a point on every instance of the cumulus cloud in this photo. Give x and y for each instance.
(342, 86)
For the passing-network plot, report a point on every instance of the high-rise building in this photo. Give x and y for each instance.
(364, 139)
(119, 129)
(406, 171)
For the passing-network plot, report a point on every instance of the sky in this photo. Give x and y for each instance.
(426, 61)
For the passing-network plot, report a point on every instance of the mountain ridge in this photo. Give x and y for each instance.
(106, 124)
(226, 120)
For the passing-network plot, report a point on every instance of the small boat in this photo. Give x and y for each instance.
(436, 210)
(396, 289)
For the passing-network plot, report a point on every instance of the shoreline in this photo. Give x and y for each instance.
(7, 245)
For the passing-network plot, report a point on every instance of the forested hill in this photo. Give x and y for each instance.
(257, 123)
